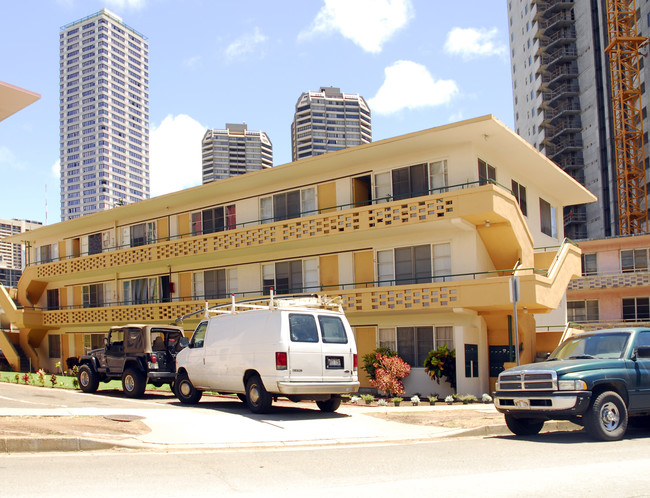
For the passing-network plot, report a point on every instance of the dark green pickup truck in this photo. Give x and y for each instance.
(596, 379)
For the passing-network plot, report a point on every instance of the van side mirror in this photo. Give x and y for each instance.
(641, 352)
(184, 342)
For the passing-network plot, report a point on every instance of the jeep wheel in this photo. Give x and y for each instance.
(257, 398)
(133, 383)
(329, 406)
(185, 390)
(88, 379)
(524, 426)
(606, 418)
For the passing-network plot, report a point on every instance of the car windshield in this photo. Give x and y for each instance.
(608, 345)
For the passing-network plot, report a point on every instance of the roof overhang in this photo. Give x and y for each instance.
(13, 99)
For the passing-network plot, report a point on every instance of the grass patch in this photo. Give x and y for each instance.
(66, 382)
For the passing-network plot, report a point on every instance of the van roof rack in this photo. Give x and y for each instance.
(269, 303)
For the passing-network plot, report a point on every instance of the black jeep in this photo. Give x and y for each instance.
(137, 354)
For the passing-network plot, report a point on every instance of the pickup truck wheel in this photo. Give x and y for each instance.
(524, 426)
(133, 383)
(606, 418)
(257, 398)
(329, 406)
(88, 379)
(185, 390)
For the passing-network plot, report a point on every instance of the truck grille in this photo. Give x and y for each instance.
(528, 380)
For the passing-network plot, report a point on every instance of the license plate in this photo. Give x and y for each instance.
(522, 403)
(334, 362)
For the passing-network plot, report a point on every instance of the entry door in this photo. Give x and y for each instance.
(640, 394)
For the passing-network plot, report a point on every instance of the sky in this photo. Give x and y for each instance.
(418, 63)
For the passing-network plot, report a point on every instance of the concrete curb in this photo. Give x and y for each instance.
(58, 443)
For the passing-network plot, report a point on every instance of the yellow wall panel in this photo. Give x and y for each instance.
(329, 271)
(62, 253)
(185, 284)
(163, 229)
(327, 197)
(366, 338)
(364, 268)
(76, 296)
(184, 224)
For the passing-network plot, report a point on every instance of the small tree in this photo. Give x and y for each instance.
(389, 370)
(442, 362)
(370, 359)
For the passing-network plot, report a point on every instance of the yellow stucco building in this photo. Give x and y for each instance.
(419, 234)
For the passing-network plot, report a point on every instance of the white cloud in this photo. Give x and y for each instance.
(56, 169)
(8, 159)
(368, 23)
(248, 43)
(471, 43)
(409, 85)
(192, 62)
(175, 154)
(122, 4)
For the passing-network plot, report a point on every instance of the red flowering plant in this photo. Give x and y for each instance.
(389, 370)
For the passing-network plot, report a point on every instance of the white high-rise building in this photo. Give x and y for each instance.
(12, 256)
(327, 121)
(234, 151)
(104, 115)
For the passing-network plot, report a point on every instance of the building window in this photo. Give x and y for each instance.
(93, 295)
(486, 173)
(214, 220)
(139, 235)
(288, 277)
(634, 260)
(583, 311)
(146, 290)
(410, 182)
(414, 265)
(215, 284)
(589, 264)
(636, 309)
(548, 218)
(414, 343)
(54, 345)
(438, 180)
(53, 299)
(287, 205)
(47, 253)
(471, 360)
(519, 191)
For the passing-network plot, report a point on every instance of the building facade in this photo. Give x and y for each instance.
(234, 151)
(12, 255)
(562, 98)
(104, 115)
(614, 288)
(327, 121)
(418, 235)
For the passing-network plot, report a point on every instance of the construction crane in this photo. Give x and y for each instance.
(624, 53)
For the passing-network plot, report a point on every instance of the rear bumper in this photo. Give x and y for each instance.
(550, 404)
(161, 375)
(302, 388)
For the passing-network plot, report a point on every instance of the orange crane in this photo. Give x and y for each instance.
(624, 53)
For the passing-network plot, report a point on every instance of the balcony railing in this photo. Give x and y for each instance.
(614, 280)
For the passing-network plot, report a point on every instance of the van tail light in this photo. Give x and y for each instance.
(355, 361)
(280, 361)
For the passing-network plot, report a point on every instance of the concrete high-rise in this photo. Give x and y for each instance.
(234, 151)
(12, 255)
(329, 120)
(104, 115)
(562, 98)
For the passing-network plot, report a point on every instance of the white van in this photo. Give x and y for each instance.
(298, 347)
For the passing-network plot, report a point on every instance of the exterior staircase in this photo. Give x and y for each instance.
(24, 360)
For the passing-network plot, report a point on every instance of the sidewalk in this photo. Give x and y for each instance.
(230, 425)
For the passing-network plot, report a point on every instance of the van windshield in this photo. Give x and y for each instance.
(302, 328)
(332, 329)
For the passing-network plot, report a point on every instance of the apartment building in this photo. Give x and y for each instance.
(104, 115)
(327, 121)
(563, 100)
(418, 235)
(234, 151)
(12, 255)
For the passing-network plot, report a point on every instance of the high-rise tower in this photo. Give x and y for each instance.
(329, 120)
(563, 100)
(234, 151)
(104, 115)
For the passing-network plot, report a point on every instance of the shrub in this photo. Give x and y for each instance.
(41, 377)
(53, 380)
(442, 362)
(370, 359)
(389, 370)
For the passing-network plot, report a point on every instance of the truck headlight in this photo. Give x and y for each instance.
(572, 385)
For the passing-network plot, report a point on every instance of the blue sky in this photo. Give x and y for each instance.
(419, 64)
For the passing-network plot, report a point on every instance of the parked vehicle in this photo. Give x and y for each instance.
(596, 379)
(136, 354)
(295, 346)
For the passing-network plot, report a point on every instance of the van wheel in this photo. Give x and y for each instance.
(257, 398)
(242, 397)
(606, 418)
(185, 390)
(329, 406)
(133, 383)
(88, 379)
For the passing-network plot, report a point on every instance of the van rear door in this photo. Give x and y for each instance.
(305, 349)
(338, 349)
